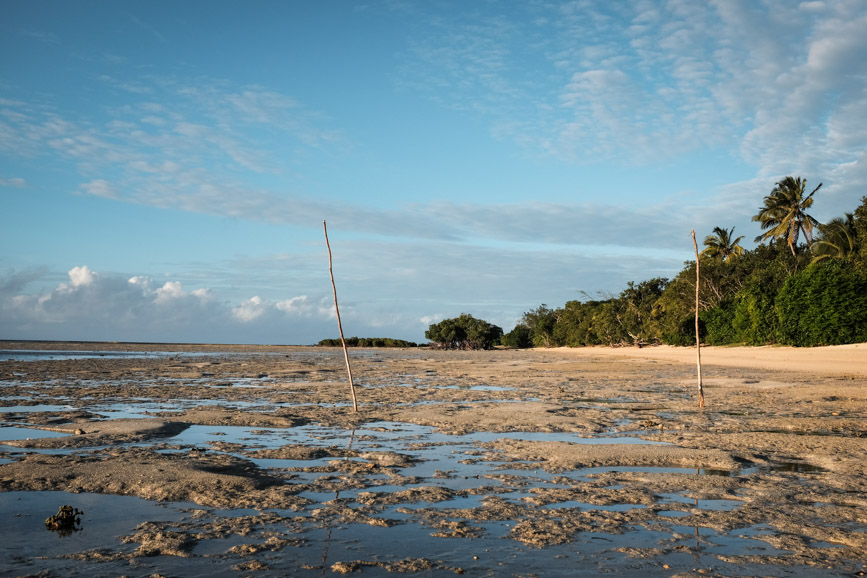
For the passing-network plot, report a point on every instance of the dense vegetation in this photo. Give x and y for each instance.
(367, 342)
(783, 291)
(464, 332)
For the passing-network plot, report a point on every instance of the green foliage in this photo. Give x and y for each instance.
(464, 332)
(630, 318)
(722, 245)
(578, 323)
(639, 316)
(719, 326)
(771, 294)
(755, 319)
(859, 254)
(784, 214)
(541, 322)
(521, 337)
(367, 342)
(836, 239)
(676, 309)
(825, 304)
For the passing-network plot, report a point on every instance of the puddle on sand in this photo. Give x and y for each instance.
(793, 467)
(674, 514)
(34, 408)
(26, 433)
(151, 408)
(66, 355)
(317, 536)
(25, 538)
(712, 505)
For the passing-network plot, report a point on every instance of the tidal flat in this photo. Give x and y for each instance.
(200, 460)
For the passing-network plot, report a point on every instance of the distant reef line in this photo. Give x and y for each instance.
(85, 345)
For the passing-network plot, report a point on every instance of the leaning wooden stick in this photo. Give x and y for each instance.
(697, 339)
(339, 325)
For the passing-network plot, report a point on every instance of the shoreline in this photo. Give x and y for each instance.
(840, 360)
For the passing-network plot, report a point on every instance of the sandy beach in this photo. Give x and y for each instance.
(192, 460)
(843, 360)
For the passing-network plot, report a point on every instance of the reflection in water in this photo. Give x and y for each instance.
(336, 497)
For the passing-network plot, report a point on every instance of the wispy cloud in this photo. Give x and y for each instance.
(149, 155)
(41, 36)
(640, 82)
(16, 182)
(156, 34)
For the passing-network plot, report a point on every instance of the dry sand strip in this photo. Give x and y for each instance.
(842, 360)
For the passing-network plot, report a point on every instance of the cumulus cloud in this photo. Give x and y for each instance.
(249, 310)
(81, 276)
(392, 295)
(171, 290)
(100, 307)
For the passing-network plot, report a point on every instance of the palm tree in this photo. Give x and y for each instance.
(836, 239)
(784, 213)
(721, 244)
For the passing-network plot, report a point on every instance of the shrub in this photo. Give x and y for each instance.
(521, 337)
(368, 342)
(464, 332)
(825, 304)
(719, 325)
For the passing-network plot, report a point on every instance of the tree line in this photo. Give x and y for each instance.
(367, 342)
(805, 284)
(784, 291)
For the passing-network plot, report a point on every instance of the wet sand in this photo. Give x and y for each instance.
(555, 462)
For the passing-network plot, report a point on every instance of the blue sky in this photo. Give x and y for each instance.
(165, 167)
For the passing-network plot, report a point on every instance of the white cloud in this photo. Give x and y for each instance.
(296, 305)
(198, 149)
(325, 308)
(169, 291)
(250, 310)
(203, 294)
(783, 85)
(81, 276)
(431, 319)
(102, 307)
(643, 82)
(100, 188)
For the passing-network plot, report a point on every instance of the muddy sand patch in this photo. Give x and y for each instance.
(505, 462)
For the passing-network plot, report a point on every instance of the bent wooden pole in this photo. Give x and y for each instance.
(697, 339)
(340, 325)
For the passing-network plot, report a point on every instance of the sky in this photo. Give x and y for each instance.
(166, 167)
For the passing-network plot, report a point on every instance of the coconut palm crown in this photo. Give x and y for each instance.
(784, 213)
(722, 245)
(836, 239)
